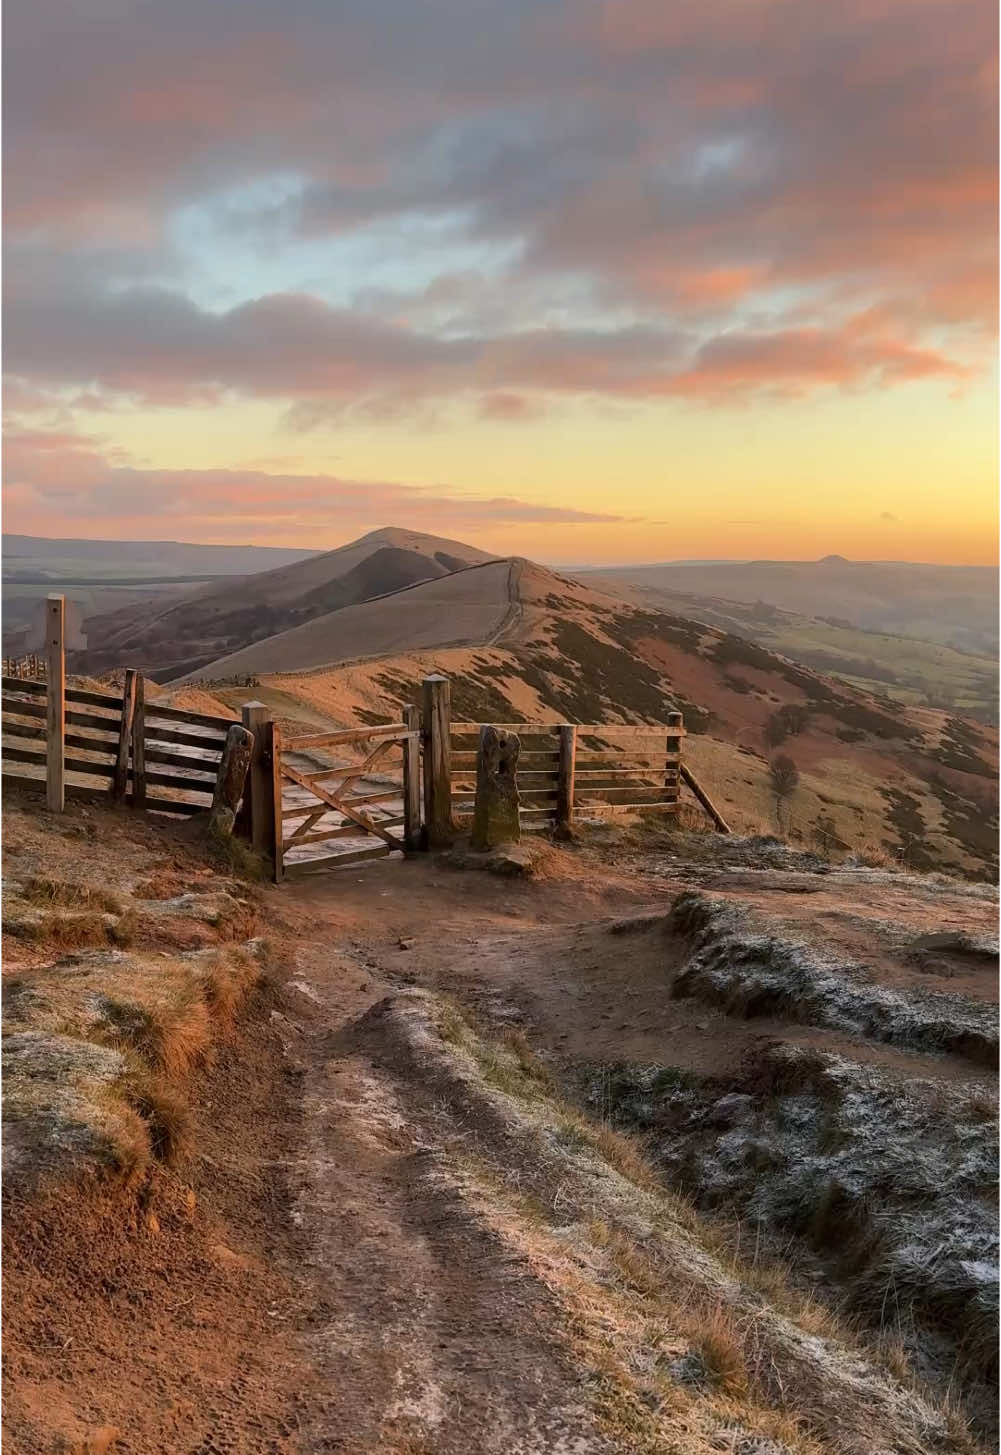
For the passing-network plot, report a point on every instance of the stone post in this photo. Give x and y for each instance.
(495, 818)
(231, 777)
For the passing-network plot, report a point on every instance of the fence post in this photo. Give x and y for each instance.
(412, 780)
(565, 779)
(139, 744)
(120, 782)
(253, 820)
(672, 771)
(273, 765)
(437, 734)
(55, 699)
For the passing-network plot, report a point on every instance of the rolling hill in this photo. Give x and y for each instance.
(912, 670)
(101, 577)
(954, 605)
(524, 643)
(213, 620)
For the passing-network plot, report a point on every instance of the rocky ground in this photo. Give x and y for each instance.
(662, 1145)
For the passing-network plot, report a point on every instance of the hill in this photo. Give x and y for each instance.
(521, 642)
(59, 559)
(922, 673)
(212, 620)
(101, 577)
(954, 605)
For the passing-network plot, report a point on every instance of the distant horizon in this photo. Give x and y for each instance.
(589, 565)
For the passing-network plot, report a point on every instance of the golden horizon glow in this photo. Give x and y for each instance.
(686, 283)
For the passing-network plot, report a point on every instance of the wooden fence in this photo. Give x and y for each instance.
(73, 741)
(569, 769)
(357, 792)
(31, 667)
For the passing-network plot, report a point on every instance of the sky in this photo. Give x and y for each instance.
(584, 280)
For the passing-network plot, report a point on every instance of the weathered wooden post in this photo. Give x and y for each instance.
(437, 736)
(230, 778)
(565, 779)
(120, 782)
(412, 779)
(496, 816)
(139, 744)
(253, 820)
(672, 764)
(55, 722)
(273, 765)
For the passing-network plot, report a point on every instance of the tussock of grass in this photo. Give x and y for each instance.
(113, 1037)
(165, 1112)
(40, 889)
(235, 855)
(64, 1110)
(67, 929)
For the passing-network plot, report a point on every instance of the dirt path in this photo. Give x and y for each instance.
(328, 1285)
(414, 1322)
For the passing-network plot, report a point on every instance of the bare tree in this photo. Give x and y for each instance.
(784, 778)
(825, 834)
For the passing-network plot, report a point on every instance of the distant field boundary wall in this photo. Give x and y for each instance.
(73, 742)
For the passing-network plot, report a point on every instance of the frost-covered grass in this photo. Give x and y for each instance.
(754, 974)
(890, 1186)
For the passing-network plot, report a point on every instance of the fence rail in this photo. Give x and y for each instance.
(567, 769)
(77, 741)
(361, 793)
(30, 667)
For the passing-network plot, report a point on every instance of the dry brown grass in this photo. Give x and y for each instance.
(163, 884)
(41, 889)
(164, 1109)
(108, 1044)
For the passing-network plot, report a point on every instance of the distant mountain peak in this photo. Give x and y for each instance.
(834, 560)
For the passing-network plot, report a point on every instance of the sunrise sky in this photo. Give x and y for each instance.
(588, 280)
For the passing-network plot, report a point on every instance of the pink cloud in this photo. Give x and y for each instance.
(74, 480)
(696, 167)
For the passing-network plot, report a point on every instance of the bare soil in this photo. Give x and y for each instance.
(319, 1276)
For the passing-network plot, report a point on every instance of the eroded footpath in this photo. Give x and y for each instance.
(402, 1226)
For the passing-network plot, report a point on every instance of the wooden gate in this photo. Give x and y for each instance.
(356, 793)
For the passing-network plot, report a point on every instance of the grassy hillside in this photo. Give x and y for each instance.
(914, 784)
(954, 605)
(212, 621)
(921, 673)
